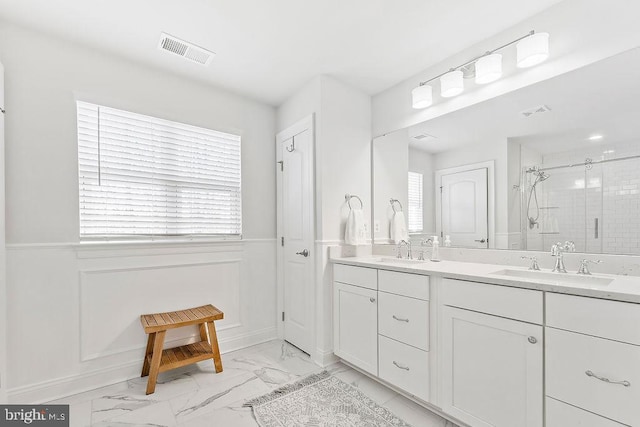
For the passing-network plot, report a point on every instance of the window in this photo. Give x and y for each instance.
(415, 202)
(145, 176)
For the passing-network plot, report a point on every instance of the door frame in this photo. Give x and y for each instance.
(297, 128)
(491, 196)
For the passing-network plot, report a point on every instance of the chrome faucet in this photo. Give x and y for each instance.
(408, 245)
(584, 266)
(534, 262)
(558, 251)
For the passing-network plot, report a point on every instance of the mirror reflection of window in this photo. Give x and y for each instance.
(414, 207)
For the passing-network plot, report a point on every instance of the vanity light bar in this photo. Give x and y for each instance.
(532, 49)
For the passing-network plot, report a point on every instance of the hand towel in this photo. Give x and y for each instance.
(399, 228)
(354, 233)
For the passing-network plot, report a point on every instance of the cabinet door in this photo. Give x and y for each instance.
(355, 326)
(492, 370)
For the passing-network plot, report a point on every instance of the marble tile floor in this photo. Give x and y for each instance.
(196, 396)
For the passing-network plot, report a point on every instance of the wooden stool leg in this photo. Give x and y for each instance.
(213, 337)
(155, 361)
(203, 332)
(145, 366)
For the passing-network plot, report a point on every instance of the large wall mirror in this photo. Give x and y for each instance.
(555, 161)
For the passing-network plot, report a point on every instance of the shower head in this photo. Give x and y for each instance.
(542, 176)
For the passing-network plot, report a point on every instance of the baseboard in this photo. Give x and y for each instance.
(47, 391)
(324, 358)
(59, 388)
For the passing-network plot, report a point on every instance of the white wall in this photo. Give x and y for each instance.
(513, 194)
(62, 296)
(390, 180)
(582, 32)
(3, 289)
(343, 165)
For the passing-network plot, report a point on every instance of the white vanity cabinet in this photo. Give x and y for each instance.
(403, 331)
(492, 354)
(381, 325)
(355, 316)
(592, 361)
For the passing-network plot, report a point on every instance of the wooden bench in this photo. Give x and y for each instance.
(159, 360)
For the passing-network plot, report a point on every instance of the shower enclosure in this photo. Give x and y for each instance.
(594, 203)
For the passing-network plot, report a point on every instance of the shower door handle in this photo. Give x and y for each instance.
(595, 228)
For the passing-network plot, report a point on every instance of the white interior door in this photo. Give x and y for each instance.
(3, 292)
(296, 232)
(464, 207)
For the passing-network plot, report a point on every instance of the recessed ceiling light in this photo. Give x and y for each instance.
(595, 137)
(608, 151)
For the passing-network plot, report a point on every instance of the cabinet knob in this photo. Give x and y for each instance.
(533, 340)
(372, 299)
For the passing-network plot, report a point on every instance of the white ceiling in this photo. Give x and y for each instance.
(267, 49)
(602, 98)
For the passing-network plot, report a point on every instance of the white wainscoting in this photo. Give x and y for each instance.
(110, 324)
(73, 310)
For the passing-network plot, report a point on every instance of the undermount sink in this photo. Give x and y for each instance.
(401, 260)
(569, 278)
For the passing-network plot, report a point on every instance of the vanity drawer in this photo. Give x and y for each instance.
(410, 285)
(404, 366)
(559, 414)
(615, 320)
(358, 276)
(569, 356)
(404, 319)
(503, 301)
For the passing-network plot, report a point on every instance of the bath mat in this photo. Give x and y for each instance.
(321, 400)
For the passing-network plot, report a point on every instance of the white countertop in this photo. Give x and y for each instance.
(622, 288)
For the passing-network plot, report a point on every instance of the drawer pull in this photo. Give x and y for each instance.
(606, 380)
(372, 299)
(400, 319)
(406, 368)
(533, 340)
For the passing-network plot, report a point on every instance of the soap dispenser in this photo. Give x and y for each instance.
(435, 251)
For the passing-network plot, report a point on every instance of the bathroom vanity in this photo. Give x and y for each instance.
(489, 345)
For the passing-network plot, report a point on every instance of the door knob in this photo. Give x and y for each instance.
(304, 253)
(480, 241)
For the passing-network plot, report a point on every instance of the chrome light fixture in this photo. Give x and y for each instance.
(532, 49)
(488, 68)
(422, 96)
(451, 84)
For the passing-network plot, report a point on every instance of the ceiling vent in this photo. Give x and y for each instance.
(535, 110)
(185, 49)
(423, 137)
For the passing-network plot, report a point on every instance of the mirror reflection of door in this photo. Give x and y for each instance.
(464, 208)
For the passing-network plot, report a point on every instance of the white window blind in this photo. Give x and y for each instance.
(141, 175)
(415, 202)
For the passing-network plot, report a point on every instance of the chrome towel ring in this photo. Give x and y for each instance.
(393, 204)
(348, 197)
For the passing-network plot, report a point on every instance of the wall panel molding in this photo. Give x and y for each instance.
(112, 299)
